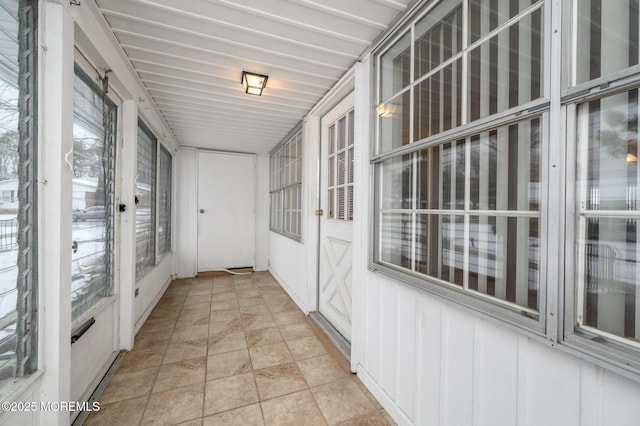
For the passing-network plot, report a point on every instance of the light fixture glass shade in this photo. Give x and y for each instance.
(253, 83)
(388, 110)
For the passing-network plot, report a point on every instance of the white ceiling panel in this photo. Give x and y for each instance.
(190, 56)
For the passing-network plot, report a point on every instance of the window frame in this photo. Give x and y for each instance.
(586, 343)
(167, 244)
(153, 261)
(278, 189)
(504, 312)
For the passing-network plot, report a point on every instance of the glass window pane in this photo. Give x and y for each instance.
(332, 139)
(438, 36)
(487, 15)
(332, 203)
(395, 239)
(506, 71)
(395, 66)
(505, 168)
(93, 196)
(164, 202)
(438, 102)
(146, 193)
(504, 258)
(342, 136)
(18, 189)
(350, 166)
(610, 158)
(609, 254)
(606, 38)
(394, 122)
(331, 170)
(397, 189)
(341, 166)
(340, 214)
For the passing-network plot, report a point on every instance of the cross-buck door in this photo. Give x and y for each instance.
(336, 227)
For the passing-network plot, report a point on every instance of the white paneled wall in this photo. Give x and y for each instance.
(288, 264)
(432, 363)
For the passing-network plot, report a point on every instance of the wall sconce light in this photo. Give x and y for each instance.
(253, 83)
(388, 110)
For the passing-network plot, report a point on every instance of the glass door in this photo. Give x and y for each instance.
(94, 133)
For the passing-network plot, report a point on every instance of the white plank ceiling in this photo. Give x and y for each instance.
(190, 56)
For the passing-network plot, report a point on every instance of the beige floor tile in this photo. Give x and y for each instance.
(292, 410)
(251, 415)
(226, 296)
(263, 336)
(229, 393)
(200, 298)
(164, 312)
(223, 305)
(288, 317)
(130, 384)
(256, 321)
(307, 347)
(296, 331)
(246, 302)
(223, 288)
(159, 324)
(270, 355)
(186, 334)
(256, 310)
(226, 343)
(182, 373)
(379, 418)
(225, 314)
(228, 364)
(185, 350)
(197, 308)
(321, 370)
(122, 413)
(248, 291)
(200, 289)
(175, 406)
(368, 394)
(282, 307)
(138, 360)
(341, 401)
(151, 339)
(196, 422)
(279, 380)
(190, 320)
(219, 327)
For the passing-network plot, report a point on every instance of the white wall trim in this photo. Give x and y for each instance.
(385, 400)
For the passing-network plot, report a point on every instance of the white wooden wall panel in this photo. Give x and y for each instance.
(495, 367)
(288, 264)
(428, 359)
(619, 400)
(435, 363)
(406, 354)
(151, 287)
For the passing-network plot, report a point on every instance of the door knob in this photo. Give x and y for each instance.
(201, 210)
(74, 246)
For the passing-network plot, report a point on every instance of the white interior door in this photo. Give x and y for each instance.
(336, 227)
(226, 212)
(94, 299)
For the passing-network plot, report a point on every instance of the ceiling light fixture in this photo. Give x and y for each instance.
(253, 83)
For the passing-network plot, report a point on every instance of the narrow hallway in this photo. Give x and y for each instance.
(232, 350)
